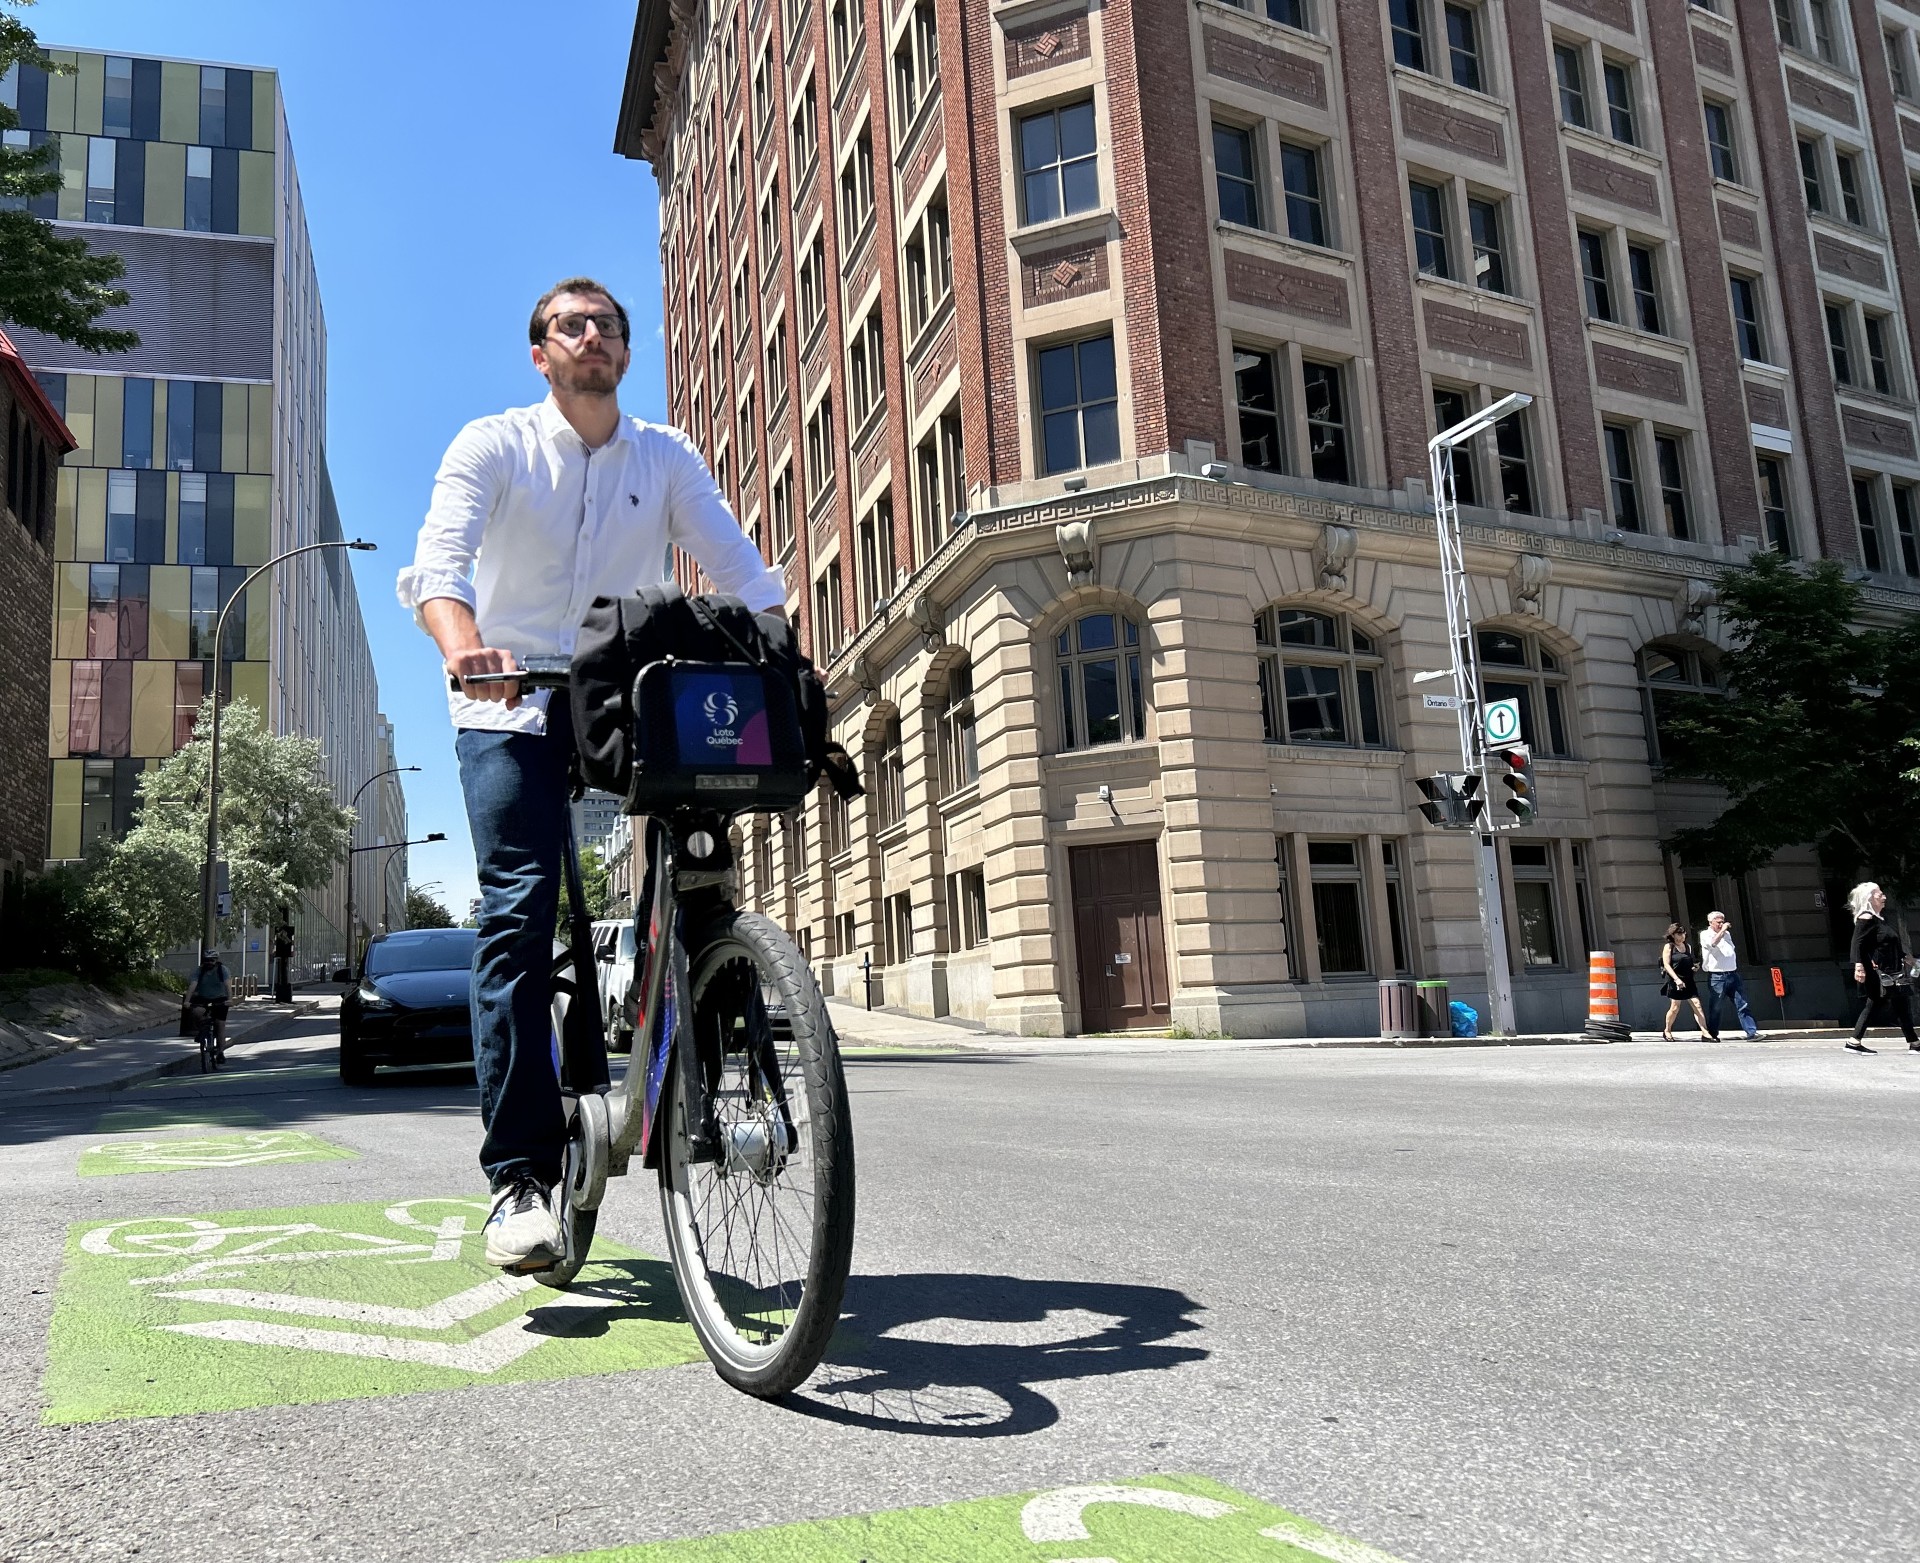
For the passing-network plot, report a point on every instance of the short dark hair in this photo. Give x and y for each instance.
(537, 326)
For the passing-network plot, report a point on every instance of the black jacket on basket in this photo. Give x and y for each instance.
(1876, 946)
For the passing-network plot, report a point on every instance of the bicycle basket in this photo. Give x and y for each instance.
(718, 735)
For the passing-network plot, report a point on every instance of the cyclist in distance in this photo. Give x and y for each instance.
(535, 512)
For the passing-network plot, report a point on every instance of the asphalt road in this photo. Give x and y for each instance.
(1641, 1302)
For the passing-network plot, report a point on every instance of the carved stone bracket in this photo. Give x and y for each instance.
(1528, 578)
(924, 616)
(1332, 555)
(1693, 599)
(861, 670)
(1077, 549)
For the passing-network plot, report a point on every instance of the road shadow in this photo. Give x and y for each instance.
(958, 1356)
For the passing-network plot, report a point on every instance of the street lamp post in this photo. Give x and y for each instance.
(353, 951)
(213, 764)
(392, 770)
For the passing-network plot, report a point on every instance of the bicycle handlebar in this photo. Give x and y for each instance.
(533, 673)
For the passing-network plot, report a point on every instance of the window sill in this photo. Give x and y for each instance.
(1475, 99)
(1468, 291)
(1639, 337)
(892, 835)
(1263, 27)
(961, 800)
(1339, 754)
(1599, 141)
(1100, 223)
(1285, 243)
(1840, 228)
(1095, 754)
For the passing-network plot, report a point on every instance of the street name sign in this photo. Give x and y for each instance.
(1441, 702)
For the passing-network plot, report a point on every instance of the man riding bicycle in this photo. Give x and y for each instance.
(535, 512)
(210, 994)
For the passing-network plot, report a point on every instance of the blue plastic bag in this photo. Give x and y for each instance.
(1465, 1019)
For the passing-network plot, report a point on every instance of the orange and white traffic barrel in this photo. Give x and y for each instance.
(1603, 999)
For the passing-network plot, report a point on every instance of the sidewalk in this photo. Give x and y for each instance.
(114, 1063)
(860, 1028)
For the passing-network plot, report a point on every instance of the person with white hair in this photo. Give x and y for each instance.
(1880, 966)
(1720, 960)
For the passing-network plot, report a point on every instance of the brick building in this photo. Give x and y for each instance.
(36, 440)
(1078, 362)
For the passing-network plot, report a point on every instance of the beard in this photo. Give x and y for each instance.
(596, 377)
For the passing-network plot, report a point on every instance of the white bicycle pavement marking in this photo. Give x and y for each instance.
(206, 1153)
(469, 1304)
(1057, 1515)
(1335, 1549)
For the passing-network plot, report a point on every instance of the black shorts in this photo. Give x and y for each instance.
(215, 1007)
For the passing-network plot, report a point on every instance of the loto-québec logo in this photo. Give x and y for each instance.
(724, 712)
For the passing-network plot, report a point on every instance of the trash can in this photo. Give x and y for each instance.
(1399, 1010)
(1434, 1019)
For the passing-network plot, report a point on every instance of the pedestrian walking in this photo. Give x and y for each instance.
(1678, 983)
(1720, 960)
(1880, 966)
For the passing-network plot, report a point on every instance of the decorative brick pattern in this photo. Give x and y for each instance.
(1064, 273)
(1739, 225)
(1279, 71)
(1839, 259)
(1477, 336)
(922, 154)
(934, 367)
(1610, 13)
(1810, 92)
(1442, 125)
(1880, 433)
(1041, 45)
(1766, 405)
(1642, 374)
(1611, 181)
(1712, 52)
(1291, 290)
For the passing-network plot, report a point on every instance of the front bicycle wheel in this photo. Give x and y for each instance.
(760, 1230)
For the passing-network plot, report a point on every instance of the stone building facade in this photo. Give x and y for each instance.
(1078, 362)
(36, 440)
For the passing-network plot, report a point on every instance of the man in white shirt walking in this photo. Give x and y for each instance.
(1720, 960)
(535, 512)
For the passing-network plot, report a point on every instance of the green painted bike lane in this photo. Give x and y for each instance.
(1148, 1519)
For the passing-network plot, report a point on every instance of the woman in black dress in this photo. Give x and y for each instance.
(1677, 984)
(1879, 966)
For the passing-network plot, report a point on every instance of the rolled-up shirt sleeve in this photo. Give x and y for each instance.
(465, 490)
(700, 521)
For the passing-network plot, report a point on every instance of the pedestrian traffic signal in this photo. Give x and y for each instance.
(1516, 781)
(1453, 801)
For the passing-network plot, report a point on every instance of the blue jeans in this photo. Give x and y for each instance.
(1727, 985)
(516, 787)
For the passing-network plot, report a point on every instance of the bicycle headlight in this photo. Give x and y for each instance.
(372, 998)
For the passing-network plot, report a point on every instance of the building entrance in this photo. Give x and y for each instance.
(1118, 933)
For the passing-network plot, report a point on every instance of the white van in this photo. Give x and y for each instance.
(613, 950)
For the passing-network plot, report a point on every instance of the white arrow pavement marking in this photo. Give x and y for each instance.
(488, 1353)
(1056, 1515)
(1336, 1549)
(462, 1306)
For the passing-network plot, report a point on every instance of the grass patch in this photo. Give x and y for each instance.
(16, 985)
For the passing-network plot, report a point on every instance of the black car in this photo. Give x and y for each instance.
(411, 1004)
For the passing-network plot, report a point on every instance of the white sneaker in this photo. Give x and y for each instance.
(521, 1231)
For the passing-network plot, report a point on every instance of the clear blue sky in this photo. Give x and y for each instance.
(456, 159)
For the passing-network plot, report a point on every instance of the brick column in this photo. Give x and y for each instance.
(1889, 151)
(1381, 185)
(1710, 322)
(1028, 969)
(1563, 312)
(1825, 454)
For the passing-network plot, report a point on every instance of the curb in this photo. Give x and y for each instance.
(184, 1064)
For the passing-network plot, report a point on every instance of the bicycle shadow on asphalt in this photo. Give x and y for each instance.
(957, 1356)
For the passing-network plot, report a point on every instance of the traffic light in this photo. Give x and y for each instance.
(1515, 769)
(1452, 799)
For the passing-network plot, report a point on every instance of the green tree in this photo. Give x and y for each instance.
(281, 831)
(1814, 734)
(425, 911)
(47, 283)
(593, 887)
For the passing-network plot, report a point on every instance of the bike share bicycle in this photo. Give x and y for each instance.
(206, 1031)
(734, 1093)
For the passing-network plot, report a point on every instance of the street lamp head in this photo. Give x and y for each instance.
(436, 835)
(364, 546)
(409, 767)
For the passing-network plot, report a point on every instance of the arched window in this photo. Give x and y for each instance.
(1515, 666)
(959, 753)
(1320, 678)
(889, 778)
(1102, 688)
(1669, 675)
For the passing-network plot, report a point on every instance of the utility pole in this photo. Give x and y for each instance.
(1465, 657)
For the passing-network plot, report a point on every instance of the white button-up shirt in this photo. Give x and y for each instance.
(527, 526)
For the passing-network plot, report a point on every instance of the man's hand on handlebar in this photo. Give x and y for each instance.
(462, 665)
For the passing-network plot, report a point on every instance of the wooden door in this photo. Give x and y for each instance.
(1118, 936)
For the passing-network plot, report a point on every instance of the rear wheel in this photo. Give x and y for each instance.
(761, 1233)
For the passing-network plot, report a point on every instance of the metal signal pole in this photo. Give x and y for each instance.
(1466, 688)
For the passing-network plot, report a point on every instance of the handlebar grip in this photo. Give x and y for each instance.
(533, 673)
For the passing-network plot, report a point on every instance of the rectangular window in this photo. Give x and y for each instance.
(1837, 347)
(1897, 69)
(1409, 38)
(1059, 166)
(1646, 286)
(1571, 73)
(1489, 247)
(1256, 390)
(199, 197)
(103, 154)
(1673, 486)
(193, 519)
(213, 105)
(1429, 205)
(1904, 528)
(1463, 47)
(1879, 360)
(136, 425)
(1774, 515)
(1338, 907)
(1079, 405)
(1293, 13)
(116, 106)
(1622, 482)
(1450, 408)
(1620, 115)
(1745, 292)
(1536, 926)
(1846, 167)
(1300, 175)
(1786, 26)
(1820, 18)
(1593, 269)
(1719, 118)
(1326, 422)
(1867, 517)
(1234, 176)
(1516, 479)
(1810, 181)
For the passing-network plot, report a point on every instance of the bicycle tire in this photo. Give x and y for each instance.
(579, 1225)
(762, 1338)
